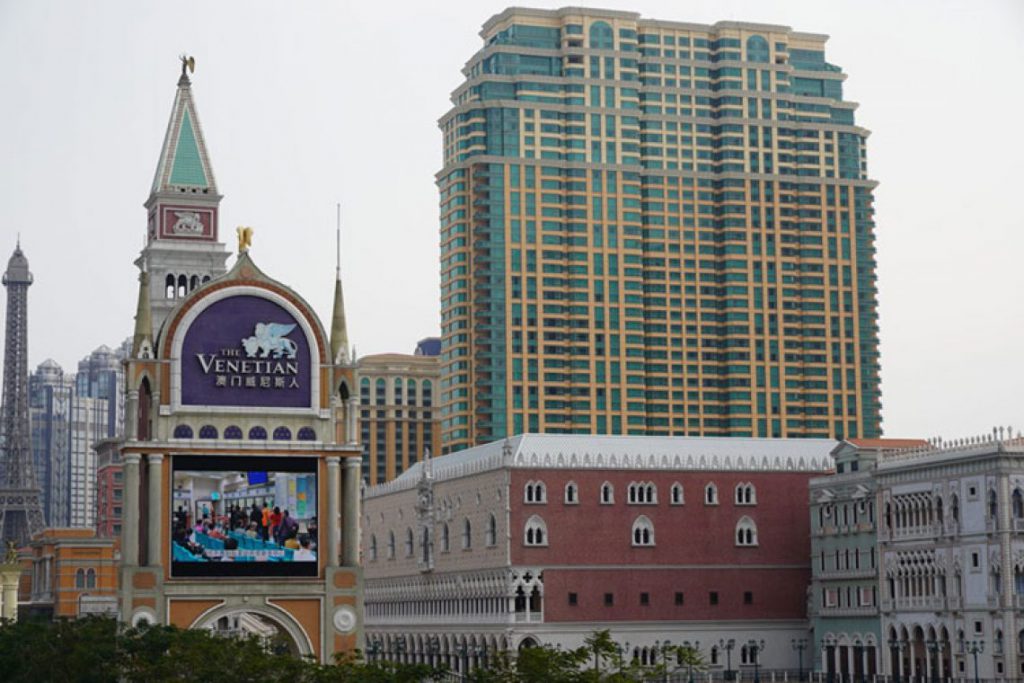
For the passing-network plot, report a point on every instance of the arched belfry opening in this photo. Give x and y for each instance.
(343, 392)
(143, 427)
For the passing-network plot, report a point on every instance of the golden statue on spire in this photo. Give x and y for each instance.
(244, 238)
(187, 63)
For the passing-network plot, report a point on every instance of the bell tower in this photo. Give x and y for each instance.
(182, 241)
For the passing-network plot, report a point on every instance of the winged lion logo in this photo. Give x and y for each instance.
(269, 341)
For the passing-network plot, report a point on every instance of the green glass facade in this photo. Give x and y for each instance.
(654, 228)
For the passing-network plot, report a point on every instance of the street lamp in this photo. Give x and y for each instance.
(973, 647)
(727, 645)
(433, 648)
(897, 646)
(800, 644)
(374, 648)
(828, 644)
(462, 651)
(693, 648)
(755, 647)
(399, 648)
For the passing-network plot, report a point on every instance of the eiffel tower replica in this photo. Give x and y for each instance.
(21, 511)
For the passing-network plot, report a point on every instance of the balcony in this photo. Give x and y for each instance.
(921, 603)
(929, 531)
(862, 573)
(528, 617)
(863, 611)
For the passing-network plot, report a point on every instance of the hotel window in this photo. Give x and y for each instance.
(409, 543)
(679, 597)
(535, 492)
(373, 548)
(711, 494)
(536, 533)
(745, 494)
(492, 531)
(609, 599)
(643, 531)
(467, 535)
(746, 532)
(643, 493)
(391, 545)
(446, 544)
(677, 493)
(571, 493)
(573, 599)
(645, 598)
(607, 494)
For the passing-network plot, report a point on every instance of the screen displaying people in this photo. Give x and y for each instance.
(259, 517)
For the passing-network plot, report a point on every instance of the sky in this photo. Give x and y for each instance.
(304, 105)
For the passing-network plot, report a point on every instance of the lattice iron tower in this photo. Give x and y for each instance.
(21, 512)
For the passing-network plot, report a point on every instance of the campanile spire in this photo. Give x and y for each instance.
(183, 248)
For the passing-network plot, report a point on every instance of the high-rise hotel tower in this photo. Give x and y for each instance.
(654, 227)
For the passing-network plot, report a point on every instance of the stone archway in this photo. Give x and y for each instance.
(277, 629)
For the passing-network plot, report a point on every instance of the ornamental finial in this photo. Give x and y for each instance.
(187, 64)
(244, 238)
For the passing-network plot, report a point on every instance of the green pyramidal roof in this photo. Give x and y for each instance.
(184, 161)
(188, 165)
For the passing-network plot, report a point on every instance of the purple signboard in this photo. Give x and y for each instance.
(245, 351)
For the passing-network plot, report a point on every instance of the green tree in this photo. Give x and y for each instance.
(602, 647)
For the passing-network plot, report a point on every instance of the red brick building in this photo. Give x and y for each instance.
(547, 538)
(109, 488)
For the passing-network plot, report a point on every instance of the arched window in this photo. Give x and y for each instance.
(282, 434)
(467, 535)
(993, 506)
(714, 655)
(1018, 504)
(409, 543)
(391, 545)
(954, 508)
(169, 287)
(80, 578)
(601, 36)
(757, 49)
(607, 493)
(746, 532)
(398, 391)
(650, 493)
(427, 395)
(410, 392)
(380, 397)
(745, 494)
(373, 547)
(307, 434)
(90, 578)
(677, 493)
(206, 278)
(232, 432)
(711, 494)
(182, 432)
(182, 286)
(535, 492)
(643, 531)
(258, 434)
(572, 496)
(536, 532)
(446, 543)
(193, 283)
(207, 432)
(492, 530)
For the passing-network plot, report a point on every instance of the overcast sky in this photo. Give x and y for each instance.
(311, 103)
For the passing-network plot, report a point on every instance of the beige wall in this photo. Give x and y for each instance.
(471, 497)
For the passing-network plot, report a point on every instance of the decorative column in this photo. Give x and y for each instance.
(154, 518)
(130, 517)
(351, 415)
(131, 415)
(350, 516)
(333, 509)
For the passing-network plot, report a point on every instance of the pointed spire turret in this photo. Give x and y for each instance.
(339, 328)
(184, 165)
(142, 341)
(182, 250)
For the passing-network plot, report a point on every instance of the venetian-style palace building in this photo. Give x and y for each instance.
(237, 399)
